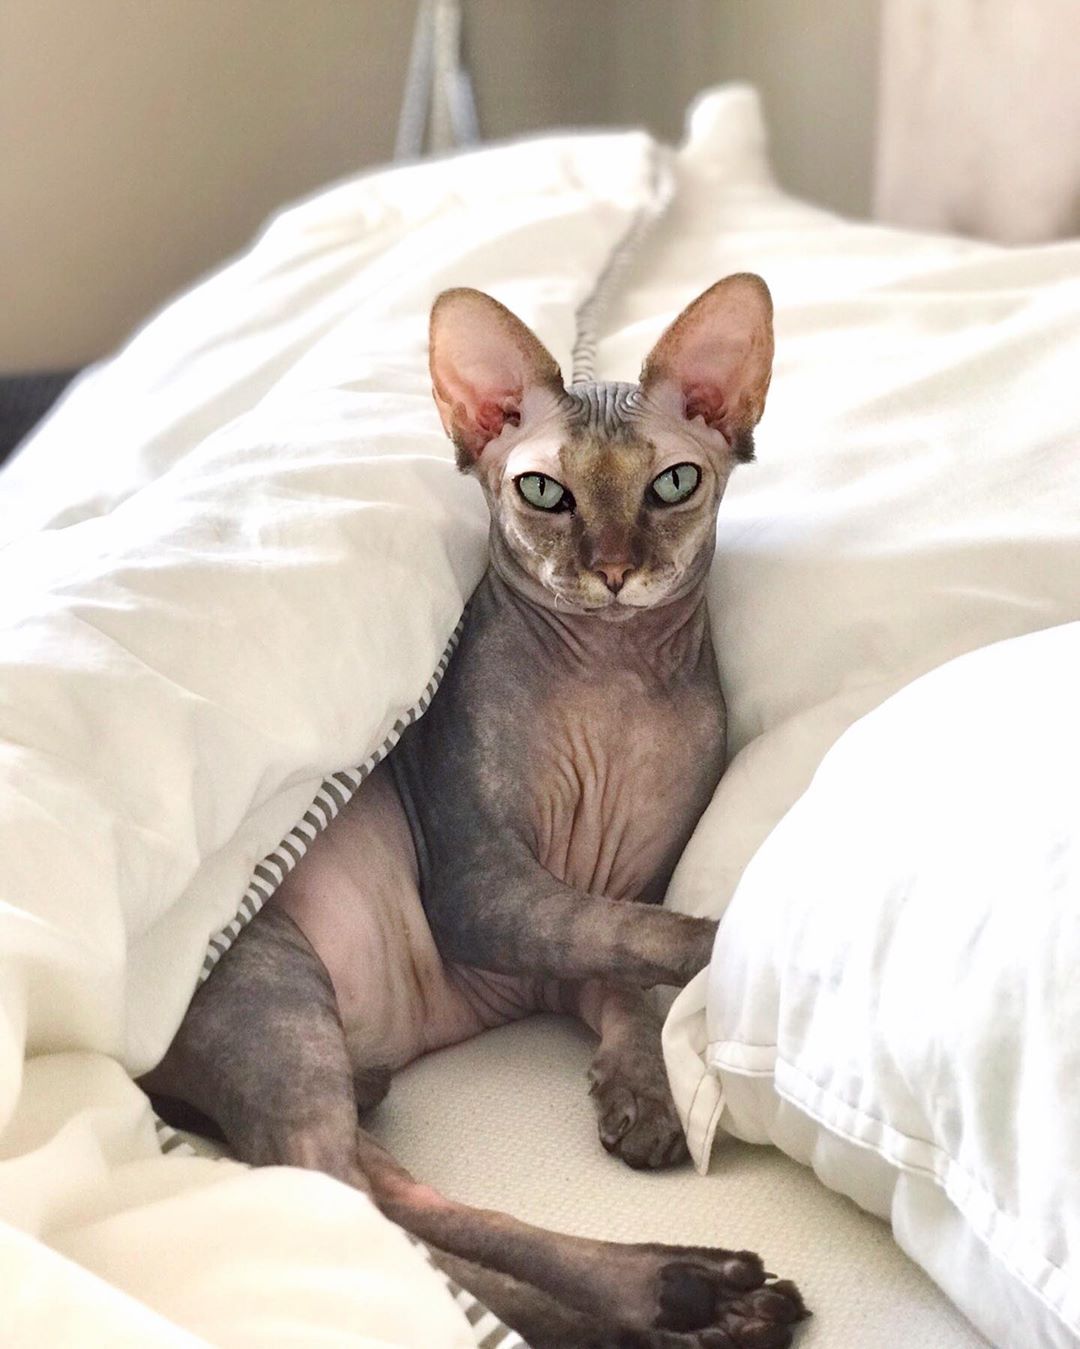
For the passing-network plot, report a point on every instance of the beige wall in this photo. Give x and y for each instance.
(624, 61)
(816, 65)
(143, 140)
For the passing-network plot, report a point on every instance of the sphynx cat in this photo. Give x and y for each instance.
(484, 870)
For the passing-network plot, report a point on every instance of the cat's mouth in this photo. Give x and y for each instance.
(622, 603)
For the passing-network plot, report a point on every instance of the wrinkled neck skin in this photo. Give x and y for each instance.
(666, 639)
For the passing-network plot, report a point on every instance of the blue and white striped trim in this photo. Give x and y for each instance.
(171, 1141)
(488, 1331)
(334, 794)
(591, 310)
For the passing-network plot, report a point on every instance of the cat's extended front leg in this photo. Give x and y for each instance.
(628, 1081)
(513, 916)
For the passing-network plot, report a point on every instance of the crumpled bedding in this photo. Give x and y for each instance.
(235, 554)
(232, 559)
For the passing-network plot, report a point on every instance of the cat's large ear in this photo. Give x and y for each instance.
(715, 360)
(484, 361)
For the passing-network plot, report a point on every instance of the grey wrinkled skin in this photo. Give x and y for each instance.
(513, 697)
(489, 868)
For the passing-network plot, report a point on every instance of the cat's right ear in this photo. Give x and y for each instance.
(484, 362)
(714, 363)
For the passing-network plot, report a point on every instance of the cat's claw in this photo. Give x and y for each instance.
(637, 1119)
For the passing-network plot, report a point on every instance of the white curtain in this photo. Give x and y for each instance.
(979, 125)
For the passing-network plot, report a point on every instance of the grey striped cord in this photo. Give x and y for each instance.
(591, 310)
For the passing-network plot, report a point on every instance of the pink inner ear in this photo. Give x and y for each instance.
(705, 401)
(473, 421)
(492, 416)
(483, 362)
(718, 355)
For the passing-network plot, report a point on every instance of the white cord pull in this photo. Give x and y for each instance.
(437, 106)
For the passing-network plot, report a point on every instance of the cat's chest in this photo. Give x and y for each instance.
(617, 778)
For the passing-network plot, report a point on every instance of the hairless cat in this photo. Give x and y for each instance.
(483, 871)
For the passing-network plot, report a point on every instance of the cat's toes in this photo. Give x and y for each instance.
(724, 1300)
(638, 1121)
(643, 1130)
(693, 1285)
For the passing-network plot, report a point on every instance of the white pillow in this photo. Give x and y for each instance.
(894, 998)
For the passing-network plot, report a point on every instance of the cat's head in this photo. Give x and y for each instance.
(603, 497)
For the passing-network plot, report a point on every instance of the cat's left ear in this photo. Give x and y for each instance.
(715, 360)
(484, 363)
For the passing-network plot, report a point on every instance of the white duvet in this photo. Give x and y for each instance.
(235, 554)
(232, 561)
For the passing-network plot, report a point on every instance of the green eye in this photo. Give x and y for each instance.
(543, 492)
(676, 484)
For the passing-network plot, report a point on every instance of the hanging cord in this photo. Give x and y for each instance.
(437, 105)
(413, 118)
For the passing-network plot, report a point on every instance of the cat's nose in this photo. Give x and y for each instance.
(614, 574)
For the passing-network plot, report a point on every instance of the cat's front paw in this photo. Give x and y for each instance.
(636, 1116)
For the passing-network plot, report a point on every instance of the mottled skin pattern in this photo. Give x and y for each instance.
(485, 870)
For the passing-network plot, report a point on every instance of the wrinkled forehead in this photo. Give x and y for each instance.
(604, 438)
(604, 411)
(605, 450)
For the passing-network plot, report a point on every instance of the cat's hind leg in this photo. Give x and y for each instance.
(262, 1052)
(611, 1295)
(546, 1323)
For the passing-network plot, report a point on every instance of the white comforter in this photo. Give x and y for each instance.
(232, 561)
(234, 557)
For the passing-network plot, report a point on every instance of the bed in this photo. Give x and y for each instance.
(235, 557)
